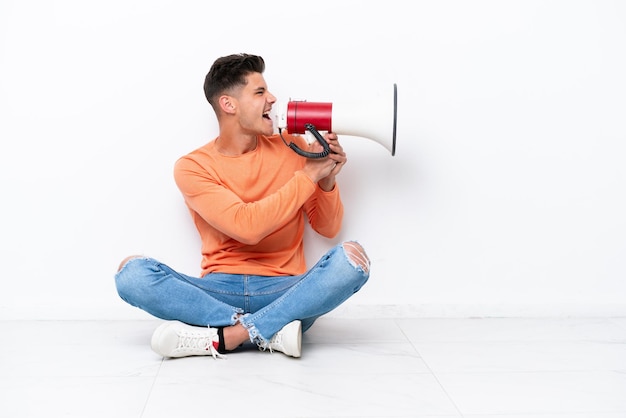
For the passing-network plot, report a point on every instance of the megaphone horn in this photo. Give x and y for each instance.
(375, 120)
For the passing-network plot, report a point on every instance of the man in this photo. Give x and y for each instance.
(249, 196)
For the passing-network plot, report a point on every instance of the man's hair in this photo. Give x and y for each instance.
(229, 72)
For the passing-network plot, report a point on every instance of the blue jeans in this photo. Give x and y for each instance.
(262, 304)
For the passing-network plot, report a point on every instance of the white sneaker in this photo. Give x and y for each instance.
(176, 339)
(288, 340)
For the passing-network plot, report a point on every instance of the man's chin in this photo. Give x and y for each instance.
(268, 131)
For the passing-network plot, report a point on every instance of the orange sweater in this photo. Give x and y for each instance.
(250, 209)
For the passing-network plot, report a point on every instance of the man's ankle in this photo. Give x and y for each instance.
(234, 336)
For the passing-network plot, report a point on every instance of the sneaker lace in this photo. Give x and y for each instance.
(194, 341)
(277, 340)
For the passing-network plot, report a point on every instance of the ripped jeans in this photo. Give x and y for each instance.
(262, 304)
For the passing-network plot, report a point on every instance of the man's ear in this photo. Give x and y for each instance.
(227, 104)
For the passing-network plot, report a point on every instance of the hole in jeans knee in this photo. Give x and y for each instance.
(356, 254)
(126, 260)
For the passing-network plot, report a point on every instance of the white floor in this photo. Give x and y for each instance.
(517, 368)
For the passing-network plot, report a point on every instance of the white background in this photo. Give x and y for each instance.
(506, 196)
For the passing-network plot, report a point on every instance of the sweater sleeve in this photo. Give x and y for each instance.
(325, 212)
(246, 222)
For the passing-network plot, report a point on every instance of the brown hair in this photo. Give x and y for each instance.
(229, 72)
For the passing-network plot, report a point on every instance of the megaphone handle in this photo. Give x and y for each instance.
(319, 138)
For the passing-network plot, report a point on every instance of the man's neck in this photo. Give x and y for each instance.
(236, 145)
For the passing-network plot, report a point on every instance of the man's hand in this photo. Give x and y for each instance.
(324, 170)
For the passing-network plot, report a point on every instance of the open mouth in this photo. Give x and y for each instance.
(266, 115)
